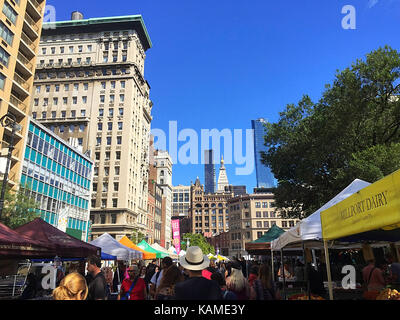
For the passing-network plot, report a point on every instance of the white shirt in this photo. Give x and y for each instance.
(153, 278)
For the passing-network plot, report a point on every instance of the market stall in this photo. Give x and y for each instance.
(369, 215)
(128, 243)
(145, 246)
(157, 247)
(111, 246)
(63, 245)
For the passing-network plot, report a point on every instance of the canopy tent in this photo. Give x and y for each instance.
(172, 249)
(145, 246)
(222, 258)
(211, 256)
(64, 245)
(261, 245)
(128, 243)
(111, 246)
(106, 256)
(156, 246)
(309, 229)
(182, 253)
(15, 245)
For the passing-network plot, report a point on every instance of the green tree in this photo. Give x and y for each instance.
(197, 239)
(19, 208)
(316, 149)
(137, 236)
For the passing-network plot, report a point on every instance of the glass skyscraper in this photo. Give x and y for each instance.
(265, 178)
(59, 177)
(209, 172)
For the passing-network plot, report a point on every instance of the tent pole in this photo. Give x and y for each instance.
(283, 273)
(272, 265)
(306, 272)
(328, 270)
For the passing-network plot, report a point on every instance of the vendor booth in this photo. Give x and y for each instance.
(156, 246)
(369, 215)
(111, 246)
(128, 243)
(145, 246)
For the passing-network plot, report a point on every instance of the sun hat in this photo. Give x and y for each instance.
(194, 259)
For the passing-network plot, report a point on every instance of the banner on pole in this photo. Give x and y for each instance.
(176, 235)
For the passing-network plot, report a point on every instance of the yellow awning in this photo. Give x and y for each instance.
(377, 206)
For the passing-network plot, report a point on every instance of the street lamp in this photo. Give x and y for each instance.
(8, 120)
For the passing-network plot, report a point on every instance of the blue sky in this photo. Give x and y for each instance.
(220, 64)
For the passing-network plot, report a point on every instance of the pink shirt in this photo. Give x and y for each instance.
(377, 281)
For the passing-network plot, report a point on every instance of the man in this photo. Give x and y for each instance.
(156, 279)
(98, 284)
(196, 287)
(134, 285)
(394, 269)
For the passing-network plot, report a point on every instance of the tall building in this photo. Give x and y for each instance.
(209, 211)
(209, 171)
(222, 177)
(264, 175)
(163, 163)
(20, 30)
(59, 177)
(90, 86)
(250, 217)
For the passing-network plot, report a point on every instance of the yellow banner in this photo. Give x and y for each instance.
(377, 206)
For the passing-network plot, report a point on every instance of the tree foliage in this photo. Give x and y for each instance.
(197, 239)
(137, 236)
(19, 208)
(316, 149)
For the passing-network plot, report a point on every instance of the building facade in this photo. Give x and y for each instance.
(209, 212)
(163, 163)
(20, 30)
(59, 177)
(265, 178)
(209, 172)
(90, 87)
(180, 201)
(250, 217)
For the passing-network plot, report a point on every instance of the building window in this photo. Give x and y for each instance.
(113, 217)
(102, 99)
(122, 84)
(265, 214)
(53, 114)
(65, 101)
(284, 224)
(121, 111)
(83, 113)
(97, 155)
(121, 97)
(259, 224)
(109, 141)
(109, 126)
(55, 101)
(266, 224)
(10, 13)
(115, 203)
(4, 57)
(101, 112)
(118, 155)
(98, 141)
(100, 126)
(119, 125)
(116, 186)
(36, 102)
(258, 214)
(119, 140)
(111, 112)
(258, 204)
(103, 216)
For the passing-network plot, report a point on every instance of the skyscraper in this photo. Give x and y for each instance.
(90, 86)
(265, 178)
(209, 172)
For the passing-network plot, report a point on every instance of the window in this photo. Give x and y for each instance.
(79, 60)
(10, 13)
(73, 113)
(85, 86)
(74, 100)
(71, 49)
(66, 87)
(57, 87)
(291, 223)
(112, 97)
(121, 97)
(118, 155)
(102, 99)
(83, 113)
(4, 57)
(109, 126)
(89, 48)
(61, 128)
(112, 84)
(119, 125)
(116, 186)
(105, 58)
(34, 115)
(115, 203)
(258, 214)
(100, 126)
(44, 115)
(113, 216)
(61, 49)
(103, 205)
(65, 100)
(53, 50)
(111, 112)
(47, 88)
(121, 111)
(84, 99)
(272, 214)
(44, 50)
(63, 114)
(55, 101)
(45, 102)
(265, 214)
(98, 141)
(36, 102)
(119, 140)
(108, 155)
(258, 204)
(97, 155)
(266, 224)
(38, 89)
(80, 48)
(101, 112)
(53, 114)
(109, 141)
(124, 57)
(81, 128)
(122, 84)
(80, 141)
(103, 85)
(88, 60)
(265, 204)
(116, 171)
(106, 171)
(115, 58)
(76, 86)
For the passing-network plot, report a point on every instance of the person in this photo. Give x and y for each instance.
(134, 286)
(98, 285)
(299, 271)
(253, 274)
(238, 284)
(373, 280)
(31, 288)
(108, 274)
(394, 270)
(166, 289)
(263, 287)
(156, 279)
(316, 279)
(142, 272)
(243, 265)
(72, 287)
(196, 287)
(226, 294)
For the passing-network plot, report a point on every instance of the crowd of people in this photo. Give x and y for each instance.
(192, 277)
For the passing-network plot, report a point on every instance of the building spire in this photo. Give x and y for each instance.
(222, 178)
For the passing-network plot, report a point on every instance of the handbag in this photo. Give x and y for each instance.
(127, 295)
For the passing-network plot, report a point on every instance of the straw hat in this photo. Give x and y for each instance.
(194, 259)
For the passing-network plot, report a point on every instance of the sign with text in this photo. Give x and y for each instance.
(377, 206)
(176, 235)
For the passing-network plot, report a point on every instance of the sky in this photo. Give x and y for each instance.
(220, 64)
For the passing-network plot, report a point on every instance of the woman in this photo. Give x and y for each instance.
(226, 294)
(373, 279)
(238, 284)
(166, 289)
(72, 287)
(134, 287)
(263, 288)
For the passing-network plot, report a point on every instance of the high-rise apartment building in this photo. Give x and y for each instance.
(90, 86)
(209, 171)
(20, 30)
(265, 178)
(163, 163)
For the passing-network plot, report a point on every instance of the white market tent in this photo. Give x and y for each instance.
(309, 229)
(162, 249)
(182, 253)
(111, 246)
